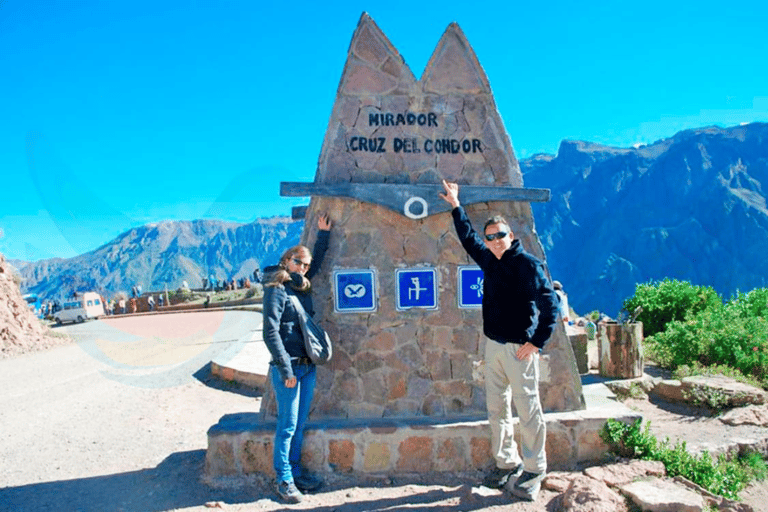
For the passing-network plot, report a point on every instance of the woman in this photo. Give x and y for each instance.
(292, 372)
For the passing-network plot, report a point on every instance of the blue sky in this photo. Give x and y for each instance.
(117, 114)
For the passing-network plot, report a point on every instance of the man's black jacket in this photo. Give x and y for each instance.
(519, 302)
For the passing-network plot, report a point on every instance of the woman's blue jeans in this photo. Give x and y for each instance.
(292, 412)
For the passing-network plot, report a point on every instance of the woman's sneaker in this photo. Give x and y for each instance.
(307, 482)
(288, 492)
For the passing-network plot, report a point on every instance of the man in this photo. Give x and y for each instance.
(519, 315)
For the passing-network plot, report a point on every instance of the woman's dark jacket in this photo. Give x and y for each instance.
(519, 302)
(282, 331)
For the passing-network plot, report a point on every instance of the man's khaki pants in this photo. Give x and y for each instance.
(508, 379)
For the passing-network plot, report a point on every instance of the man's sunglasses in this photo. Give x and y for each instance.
(496, 236)
(300, 263)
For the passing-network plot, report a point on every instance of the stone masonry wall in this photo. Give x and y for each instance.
(444, 126)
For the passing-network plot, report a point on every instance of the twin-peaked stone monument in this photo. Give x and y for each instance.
(397, 293)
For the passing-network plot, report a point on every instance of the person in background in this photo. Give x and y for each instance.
(291, 371)
(565, 309)
(519, 311)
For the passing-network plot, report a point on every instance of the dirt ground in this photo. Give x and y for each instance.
(75, 439)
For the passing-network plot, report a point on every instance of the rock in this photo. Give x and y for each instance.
(20, 330)
(749, 415)
(626, 472)
(659, 495)
(586, 494)
(479, 492)
(558, 481)
(713, 500)
(625, 387)
(735, 393)
(670, 390)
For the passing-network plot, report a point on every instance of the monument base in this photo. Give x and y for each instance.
(241, 444)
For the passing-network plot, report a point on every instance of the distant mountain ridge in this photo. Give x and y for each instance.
(165, 253)
(690, 207)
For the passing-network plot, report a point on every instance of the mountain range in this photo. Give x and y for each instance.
(163, 254)
(689, 207)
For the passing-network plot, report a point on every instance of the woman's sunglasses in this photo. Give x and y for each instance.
(496, 236)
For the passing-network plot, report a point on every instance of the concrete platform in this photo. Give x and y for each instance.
(241, 444)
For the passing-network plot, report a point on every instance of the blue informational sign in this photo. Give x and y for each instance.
(416, 288)
(470, 287)
(355, 291)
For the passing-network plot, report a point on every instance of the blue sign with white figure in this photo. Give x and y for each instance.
(355, 291)
(470, 287)
(416, 288)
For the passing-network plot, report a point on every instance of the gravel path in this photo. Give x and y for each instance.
(78, 435)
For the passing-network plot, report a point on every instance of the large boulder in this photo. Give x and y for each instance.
(20, 330)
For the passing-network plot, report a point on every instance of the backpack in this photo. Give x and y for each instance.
(316, 341)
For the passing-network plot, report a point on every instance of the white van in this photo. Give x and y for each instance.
(86, 306)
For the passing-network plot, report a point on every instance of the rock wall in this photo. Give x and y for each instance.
(20, 330)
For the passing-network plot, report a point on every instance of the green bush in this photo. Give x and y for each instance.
(754, 303)
(721, 335)
(181, 295)
(593, 316)
(669, 300)
(724, 477)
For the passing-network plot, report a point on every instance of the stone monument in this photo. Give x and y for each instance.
(408, 336)
(397, 293)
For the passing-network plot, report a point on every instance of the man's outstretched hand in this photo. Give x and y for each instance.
(451, 195)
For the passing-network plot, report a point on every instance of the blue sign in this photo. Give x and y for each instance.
(355, 291)
(470, 287)
(416, 288)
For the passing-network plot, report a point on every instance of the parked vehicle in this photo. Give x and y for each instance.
(84, 307)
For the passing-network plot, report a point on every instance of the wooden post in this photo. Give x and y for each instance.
(621, 349)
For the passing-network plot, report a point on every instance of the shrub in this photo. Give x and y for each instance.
(181, 295)
(721, 335)
(724, 477)
(593, 316)
(669, 300)
(754, 303)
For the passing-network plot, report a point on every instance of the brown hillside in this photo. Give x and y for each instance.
(20, 330)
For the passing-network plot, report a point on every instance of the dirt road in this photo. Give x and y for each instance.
(121, 428)
(118, 421)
